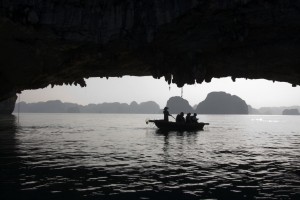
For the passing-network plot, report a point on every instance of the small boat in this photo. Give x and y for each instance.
(173, 126)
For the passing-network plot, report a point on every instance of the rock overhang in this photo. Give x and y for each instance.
(63, 42)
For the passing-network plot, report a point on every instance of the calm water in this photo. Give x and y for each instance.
(99, 156)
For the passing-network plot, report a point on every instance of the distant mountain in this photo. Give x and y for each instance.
(215, 103)
(275, 110)
(148, 107)
(290, 112)
(253, 111)
(222, 103)
(57, 106)
(271, 110)
(178, 104)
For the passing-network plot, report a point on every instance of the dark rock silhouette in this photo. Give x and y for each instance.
(74, 109)
(290, 112)
(178, 104)
(149, 107)
(53, 106)
(57, 106)
(114, 107)
(222, 103)
(56, 42)
(7, 106)
(134, 107)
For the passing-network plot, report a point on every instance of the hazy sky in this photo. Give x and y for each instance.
(257, 93)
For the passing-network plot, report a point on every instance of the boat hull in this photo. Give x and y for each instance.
(173, 126)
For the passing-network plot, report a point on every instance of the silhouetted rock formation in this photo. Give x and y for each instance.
(270, 110)
(149, 107)
(56, 42)
(178, 104)
(222, 103)
(290, 112)
(57, 106)
(54, 106)
(275, 110)
(7, 106)
(134, 107)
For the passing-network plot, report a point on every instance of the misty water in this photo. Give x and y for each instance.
(103, 156)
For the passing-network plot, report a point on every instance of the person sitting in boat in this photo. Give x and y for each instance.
(166, 114)
(188, 118)
(194, 118)
(180, 118)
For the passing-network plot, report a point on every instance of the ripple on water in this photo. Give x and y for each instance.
(234, 158)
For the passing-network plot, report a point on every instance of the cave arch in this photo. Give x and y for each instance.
(63, 42)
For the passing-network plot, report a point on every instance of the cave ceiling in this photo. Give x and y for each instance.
(55, 42)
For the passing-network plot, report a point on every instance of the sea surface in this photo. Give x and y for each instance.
(109, 156)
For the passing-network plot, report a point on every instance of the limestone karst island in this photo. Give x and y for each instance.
(214, 103)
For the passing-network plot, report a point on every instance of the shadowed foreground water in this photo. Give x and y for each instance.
(97, 156)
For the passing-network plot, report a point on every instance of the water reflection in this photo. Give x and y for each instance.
(9, 161)
(49, 157)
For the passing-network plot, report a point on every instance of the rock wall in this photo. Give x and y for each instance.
(97, 21)
(62, 42)
(7, 106)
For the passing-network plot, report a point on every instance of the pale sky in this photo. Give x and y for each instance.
(257, 93)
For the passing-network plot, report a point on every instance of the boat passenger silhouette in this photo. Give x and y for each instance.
(166, 114)
(194, 118)
(188, 118)
(180, 118)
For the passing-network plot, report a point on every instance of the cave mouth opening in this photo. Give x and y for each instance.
(128, 89)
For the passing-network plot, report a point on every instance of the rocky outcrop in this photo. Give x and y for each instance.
(7, 106)
(178, 104)
(290, 112)
(62, 42)
(276, 110)
(222, 103)
(56, 106)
